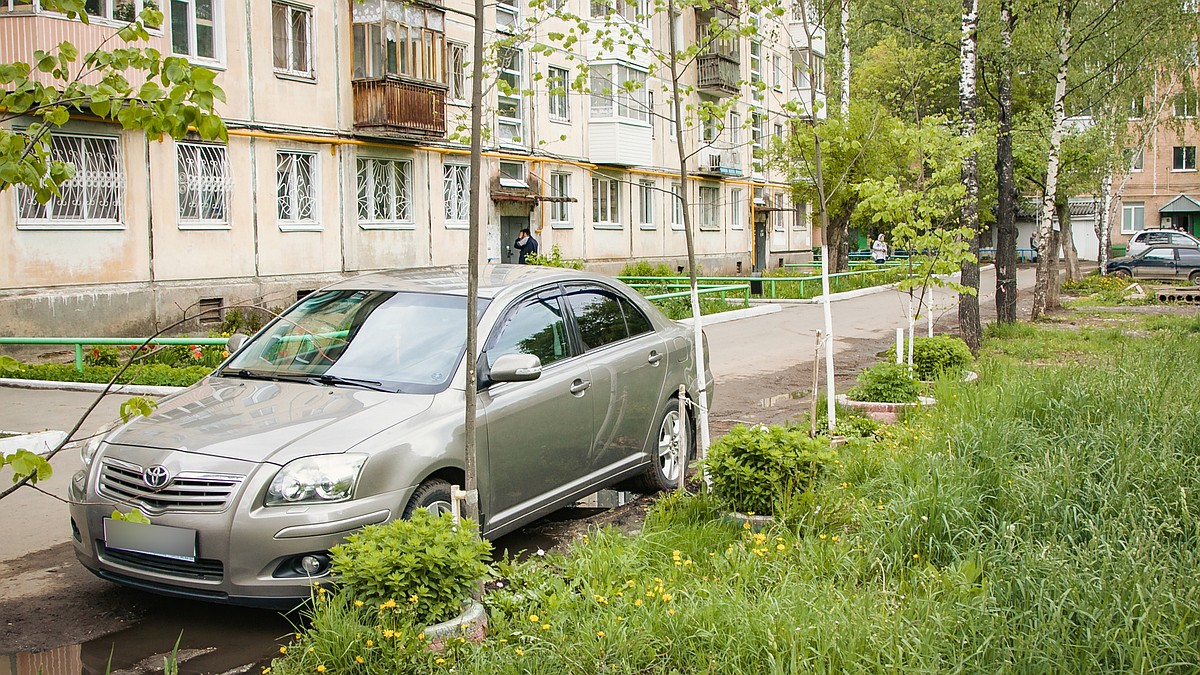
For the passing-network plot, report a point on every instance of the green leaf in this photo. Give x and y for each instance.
(137, 406)
(134, 516)
(27, 464)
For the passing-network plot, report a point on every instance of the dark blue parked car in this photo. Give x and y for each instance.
(1168, 263)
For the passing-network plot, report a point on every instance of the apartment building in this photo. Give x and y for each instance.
(345, 124)
(1162, 186)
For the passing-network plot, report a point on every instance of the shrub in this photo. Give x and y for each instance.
(426, 564)
(753, 467)
(554, 259)
(102, 355)
(886, 383)
(1097, 283)
(936, 356)
(154, 374)
(644, 268)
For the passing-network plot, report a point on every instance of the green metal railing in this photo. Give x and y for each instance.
(769, 284)
(744, 289)
(79, 342)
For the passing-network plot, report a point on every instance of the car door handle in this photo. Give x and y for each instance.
(654, 357)
(579, 386)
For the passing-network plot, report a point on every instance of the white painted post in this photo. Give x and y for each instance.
(829, 393)
(929, 314)
(683, 440)
(899, 345)
(457, 497)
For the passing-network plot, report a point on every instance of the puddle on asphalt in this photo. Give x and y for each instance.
(215, 639)
(221, 639)
(773, 401)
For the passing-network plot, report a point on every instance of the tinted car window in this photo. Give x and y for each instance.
(1181, 240)
(599, 317)
(1189, 256)
(537, 327)
(637, 322)
(1152, 238)
(1160, 254)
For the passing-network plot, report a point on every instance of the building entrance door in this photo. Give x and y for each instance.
(510, 227)
(760, 246)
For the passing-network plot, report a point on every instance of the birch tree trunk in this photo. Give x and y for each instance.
(1104, 221)
(1006, 208)
(845, 107)
(1046, 249)
(1070, 253)
(968, 303)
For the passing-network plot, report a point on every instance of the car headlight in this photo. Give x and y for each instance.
(88, 450)
(320, 479)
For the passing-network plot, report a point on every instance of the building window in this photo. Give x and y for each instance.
(758, 139)
(800, 217)
(777, 213)
(735, 129)
(414, 47)
(204, 185)
(1185, 105)
(296, 189)
(710, 209)
(510, 123)
(122, 11)
(1137, 108)
(560, 211)
(756, 70)
(777, 72)
(735, 209)
(671, 119)
(619, 91)
(556, 82)
(1135, 159)
(456, 193)
(646, 204)
(605, 202)
(292, 27)
(1133, 217)
(458, 72)
(384, 193)
(1184, 158)
(508, 14)
(196, 28)
(93, 198)
(676, 206)
(808, 69)
(633, 11)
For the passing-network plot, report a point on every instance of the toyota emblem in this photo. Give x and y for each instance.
(156, 477)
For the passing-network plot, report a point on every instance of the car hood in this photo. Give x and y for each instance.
(261, 421)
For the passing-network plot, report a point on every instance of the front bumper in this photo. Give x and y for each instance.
(246, 553)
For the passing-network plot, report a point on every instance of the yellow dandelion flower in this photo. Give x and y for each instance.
(687, 562)
(519, 651)
(599, 633)
(916, 556)
(545, 626)
(388, 634)
(671, 612)
(283, 650)
(439, 661)
(370, 643)
(320, 669)
(620, 618)
(822, 536)
(316, 584)
(503, 641)
(745, 526)
(266, 671)
(311, 650)
(780, 547)
(637, 603)
(359, 659)
(412, 598)
(631, 583)
(358, 603)
(666, 597)
(420, 636)
(836, 538)
(533, 618)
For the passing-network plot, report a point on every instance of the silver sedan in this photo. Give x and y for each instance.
(349, 410)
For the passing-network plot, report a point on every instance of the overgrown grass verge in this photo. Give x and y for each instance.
(154, 374)
(1037, 521)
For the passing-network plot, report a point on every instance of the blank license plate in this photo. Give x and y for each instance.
(160, 540)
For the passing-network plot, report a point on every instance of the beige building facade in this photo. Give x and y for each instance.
(344, 156)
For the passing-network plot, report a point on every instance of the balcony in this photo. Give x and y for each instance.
(400, 108)
(719, 75)
(719, 163)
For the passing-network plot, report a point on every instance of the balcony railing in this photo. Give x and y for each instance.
(718, 74)
(719, 163)
(401, 108)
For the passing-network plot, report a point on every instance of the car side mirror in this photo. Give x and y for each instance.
(515, 368)
(235, 342)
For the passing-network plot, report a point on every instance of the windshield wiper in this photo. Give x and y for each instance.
(334, 380)
(253, 375)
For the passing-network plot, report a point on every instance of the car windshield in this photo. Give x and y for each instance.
(406, 342)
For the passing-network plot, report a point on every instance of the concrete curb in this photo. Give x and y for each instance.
(125, 389)
(735, 314)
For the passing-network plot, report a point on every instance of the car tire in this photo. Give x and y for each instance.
(1123, 273)
(1195, 278)
(432, 495)
(663, 471)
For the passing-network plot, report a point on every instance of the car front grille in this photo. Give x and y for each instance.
(187, 491)
(200, 570)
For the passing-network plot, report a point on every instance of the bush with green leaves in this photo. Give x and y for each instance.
(753, 467)
(644, 268)
(554, 259)
(427, 564)
(886, 383)
(936, 356)
(153, 374)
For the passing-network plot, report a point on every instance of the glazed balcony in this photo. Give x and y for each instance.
(401, 108)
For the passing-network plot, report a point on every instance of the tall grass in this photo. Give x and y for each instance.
(1037, 521)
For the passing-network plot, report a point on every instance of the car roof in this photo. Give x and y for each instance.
(494, 279)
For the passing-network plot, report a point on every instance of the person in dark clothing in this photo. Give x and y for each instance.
(527, 245)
